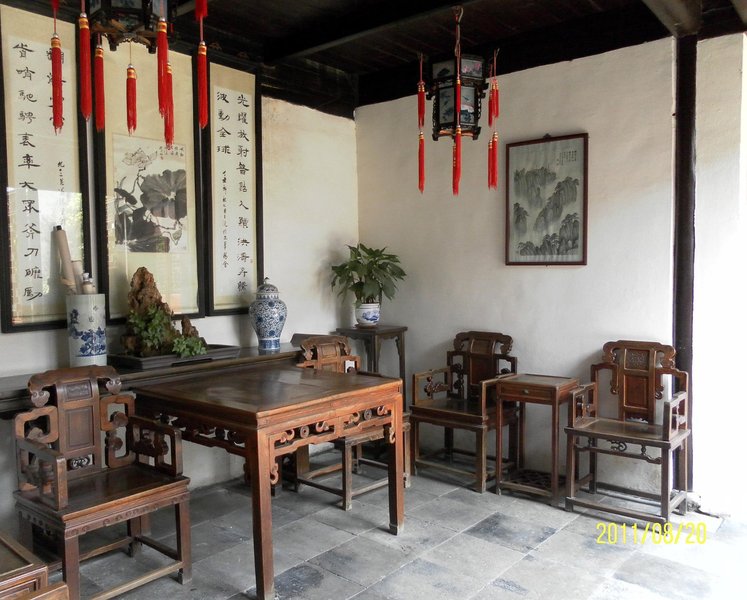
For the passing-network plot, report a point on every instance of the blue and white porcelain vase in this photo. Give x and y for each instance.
(267, 316)
(86, 329)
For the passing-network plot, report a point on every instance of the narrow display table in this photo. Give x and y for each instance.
(268, 411)
(372, 337)
(532, 389)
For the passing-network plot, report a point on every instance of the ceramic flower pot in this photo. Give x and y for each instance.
(368, 314)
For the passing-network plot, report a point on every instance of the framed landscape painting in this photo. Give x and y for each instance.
(546, 201)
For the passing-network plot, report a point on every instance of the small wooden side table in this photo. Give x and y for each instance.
(532, 389)
(372, 338)
(20, 571)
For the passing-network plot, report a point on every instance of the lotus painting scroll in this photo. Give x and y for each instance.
(546, 201)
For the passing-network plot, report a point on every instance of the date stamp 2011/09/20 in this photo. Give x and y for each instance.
(652, 533)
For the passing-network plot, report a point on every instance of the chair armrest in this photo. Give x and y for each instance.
(675, 415)
(425, 383)
(51, 483)
(583, 404)
(153, 446)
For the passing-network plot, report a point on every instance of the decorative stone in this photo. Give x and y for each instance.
(267, 316)
(86, 329)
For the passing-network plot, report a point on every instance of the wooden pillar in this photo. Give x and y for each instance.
(684, 210)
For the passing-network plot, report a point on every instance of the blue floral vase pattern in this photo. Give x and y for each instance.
(86, 329)
(267, 316)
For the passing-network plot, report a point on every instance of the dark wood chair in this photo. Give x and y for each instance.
(454, 397)
(70, 482)
(639, 372)
(332, 353)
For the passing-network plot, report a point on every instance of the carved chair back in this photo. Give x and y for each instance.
(637, 370)
(328, 353)
(60, 439)
(478, 355)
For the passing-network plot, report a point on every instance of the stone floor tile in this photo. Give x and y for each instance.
(310, 582)
(487, 500)
(424, 579)
(536, 510)
(361, 517)
(307, 537)
(666, 577)
(436, 482)
(474, 557)
(450, 513)
(213, 502)
(207, 536)
(616, 589)
(511, 532)
(362, 560)
(573, 549)
(418, 536)
(413, 498)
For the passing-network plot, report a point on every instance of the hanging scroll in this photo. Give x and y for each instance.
(42, 172)
(234, 254)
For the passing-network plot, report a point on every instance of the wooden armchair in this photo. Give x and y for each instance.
(453, 397)
(637, 376)
(332, 353)
(71, 483)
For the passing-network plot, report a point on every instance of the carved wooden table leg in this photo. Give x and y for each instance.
(259, 459)
(396, 457)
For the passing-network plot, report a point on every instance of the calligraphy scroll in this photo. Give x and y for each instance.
(233, 261)
(41, 173)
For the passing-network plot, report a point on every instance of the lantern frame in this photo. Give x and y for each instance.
(129, 20)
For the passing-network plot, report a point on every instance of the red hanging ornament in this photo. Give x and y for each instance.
(162, 49)
(494, 99)
(202, 91)
(495, 159)
(457, 172)
(168, 118)
(56, 83)
(421, 96)
(131, 99)
(84, 56)
(201, 10)
(421, 163)
(490, 163)
(98, 80)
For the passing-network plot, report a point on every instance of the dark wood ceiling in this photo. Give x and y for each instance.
(335, 55)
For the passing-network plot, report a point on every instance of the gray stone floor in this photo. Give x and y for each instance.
(456, 544)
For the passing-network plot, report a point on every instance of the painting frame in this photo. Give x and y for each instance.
(175, 262)
(234, 261)
(547, 201)
(56, 193)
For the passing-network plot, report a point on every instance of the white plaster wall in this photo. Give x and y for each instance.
(310, 212)
(453, 247)
(720, 321)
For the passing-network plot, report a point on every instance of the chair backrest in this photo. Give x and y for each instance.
(479, 355)
(637, 370)
(70, 414)
(328, 353)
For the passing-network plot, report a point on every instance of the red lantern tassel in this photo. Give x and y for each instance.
(56, 83)
(495, 99)
(131, 99)
(457, 173)
(202, 93)
(162, 48)
(421, 104)
(201, 9)
(168, 118)
(458, 104)
(98, 77)
(490, 163)
(84, 54)
(421, 163)
(490, 108)
(495, 160)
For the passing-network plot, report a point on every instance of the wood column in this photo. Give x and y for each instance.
(686, 55)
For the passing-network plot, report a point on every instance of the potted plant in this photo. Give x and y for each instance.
(370, 274)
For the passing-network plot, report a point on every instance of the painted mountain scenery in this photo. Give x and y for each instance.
(546, 204)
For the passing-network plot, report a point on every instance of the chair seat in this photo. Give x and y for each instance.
(133, 486)
(633, 432)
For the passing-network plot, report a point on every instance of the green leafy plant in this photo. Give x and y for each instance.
(188, 346)
(369, 273)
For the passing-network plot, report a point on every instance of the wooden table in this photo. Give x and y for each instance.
(265, 412)
(24, 575)
(532, 389)
(372, 337)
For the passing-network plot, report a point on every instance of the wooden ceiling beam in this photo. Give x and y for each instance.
(356, 25)
(741, 7)
(680, 17)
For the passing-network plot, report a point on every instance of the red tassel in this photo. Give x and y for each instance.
(162, 47)
(495, 160)
(458, 104)
(421, 163)
(84, 52)
(457, 173)
(200, 9)
(421, 104)
(495, 99)
(168, 118)
(98, 76)
(131, 99)
(490, 163)
(56, 83)
(202, 91)
(55, 7)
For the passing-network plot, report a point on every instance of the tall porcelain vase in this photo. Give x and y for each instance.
(86, 329)
(267, 316)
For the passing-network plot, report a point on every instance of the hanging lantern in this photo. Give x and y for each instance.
(133, 20)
